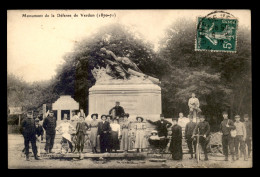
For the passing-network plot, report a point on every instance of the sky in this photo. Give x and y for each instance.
(36, 45)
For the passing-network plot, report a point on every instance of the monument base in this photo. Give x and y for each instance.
(136, 99)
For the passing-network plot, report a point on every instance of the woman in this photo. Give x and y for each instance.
(176, 141)
(140, 134)
(115, 135)
(93, 132)
(124, 125)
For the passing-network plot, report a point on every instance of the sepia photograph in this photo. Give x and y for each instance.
(129, 89)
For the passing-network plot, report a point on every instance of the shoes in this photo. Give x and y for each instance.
(37, 158)
(46, 151)
(226, 158)
(27, 158)
(206, 159)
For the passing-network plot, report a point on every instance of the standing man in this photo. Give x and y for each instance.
(194, 105)
(227, 141)
(49, 124)
(248, 126)
(188, 135)
(161, 126)
(119, 110)
(240, 138)
(103, 132)
(202, 128)
(81, 131)
(29, 134)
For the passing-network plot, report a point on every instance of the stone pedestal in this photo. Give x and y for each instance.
(136, 99)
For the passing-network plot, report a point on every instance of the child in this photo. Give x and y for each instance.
(81, 129)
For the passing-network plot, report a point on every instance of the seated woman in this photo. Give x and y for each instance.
(115, 135)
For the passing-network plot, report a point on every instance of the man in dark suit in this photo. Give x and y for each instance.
(190, 126)
(81, 131)
(119, 110)
(49, 124)
(103, 132)
(29, 134)
(161, 125)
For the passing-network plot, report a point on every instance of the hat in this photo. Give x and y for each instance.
(161, 115)
(237, 116)
(117, 102)
(37, 120)
(154, 131)
(224, 112)
(95, 114)
(29, 112)
(246, 116)
(51, 111)
(104, 116)
(175, 119)
(142, 119)
(126, 115)
(108, 116)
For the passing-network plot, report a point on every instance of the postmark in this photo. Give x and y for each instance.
(216, 32)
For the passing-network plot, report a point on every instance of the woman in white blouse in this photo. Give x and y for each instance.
(115, 135)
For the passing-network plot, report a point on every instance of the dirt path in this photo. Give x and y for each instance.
(17, 161)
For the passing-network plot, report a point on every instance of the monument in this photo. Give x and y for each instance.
(121, 80)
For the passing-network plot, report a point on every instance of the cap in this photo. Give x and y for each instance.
(117, 102)
(51, 111)
(237, 116)
(29, 112)
(109, 116)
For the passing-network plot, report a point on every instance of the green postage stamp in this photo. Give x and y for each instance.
(216, 34)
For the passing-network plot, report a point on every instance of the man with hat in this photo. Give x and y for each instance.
(176, 140)
(202, 128)
(39, 135)
(227, 141)
(118, 110)
(29, 134)
(49, 124)
(162, 126)
(248, 141)
(103, 133)
(189, 128)
(240, 137)
(81, 131)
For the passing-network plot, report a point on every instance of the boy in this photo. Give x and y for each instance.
(240, 138)
(81, 131)
(227, 141)
(39, 136)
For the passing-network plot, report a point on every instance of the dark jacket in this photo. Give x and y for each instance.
(223, 126)
(28, 127)
(119, 111)
(49, 124)
(82, 127)
(203, 128)
(190, 126)
(161, 126)
(103, 128)
(39, 131)
(248, 126)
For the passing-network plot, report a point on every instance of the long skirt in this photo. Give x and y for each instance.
(140, 141)
(176, 148)
(93, 137)
(114, 140)
(124, 145)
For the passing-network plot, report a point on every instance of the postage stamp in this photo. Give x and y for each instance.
(216, 34)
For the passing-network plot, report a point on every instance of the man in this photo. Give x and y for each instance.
(81, 131)
(188, 135)
(227, 141)
(119, 110)
(103, 133)
(248, 141)
(202, 128)
(176, 141)
(194, 105)
(49, 124)
(161, 126)
(39, 135)
(240, 137)
(65, 128)
(29, 134)
(81, 114)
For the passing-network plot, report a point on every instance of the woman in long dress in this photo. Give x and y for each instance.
(140, 127)
(176, 141)
(124, 125)
(115, 135)
(93, 132)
